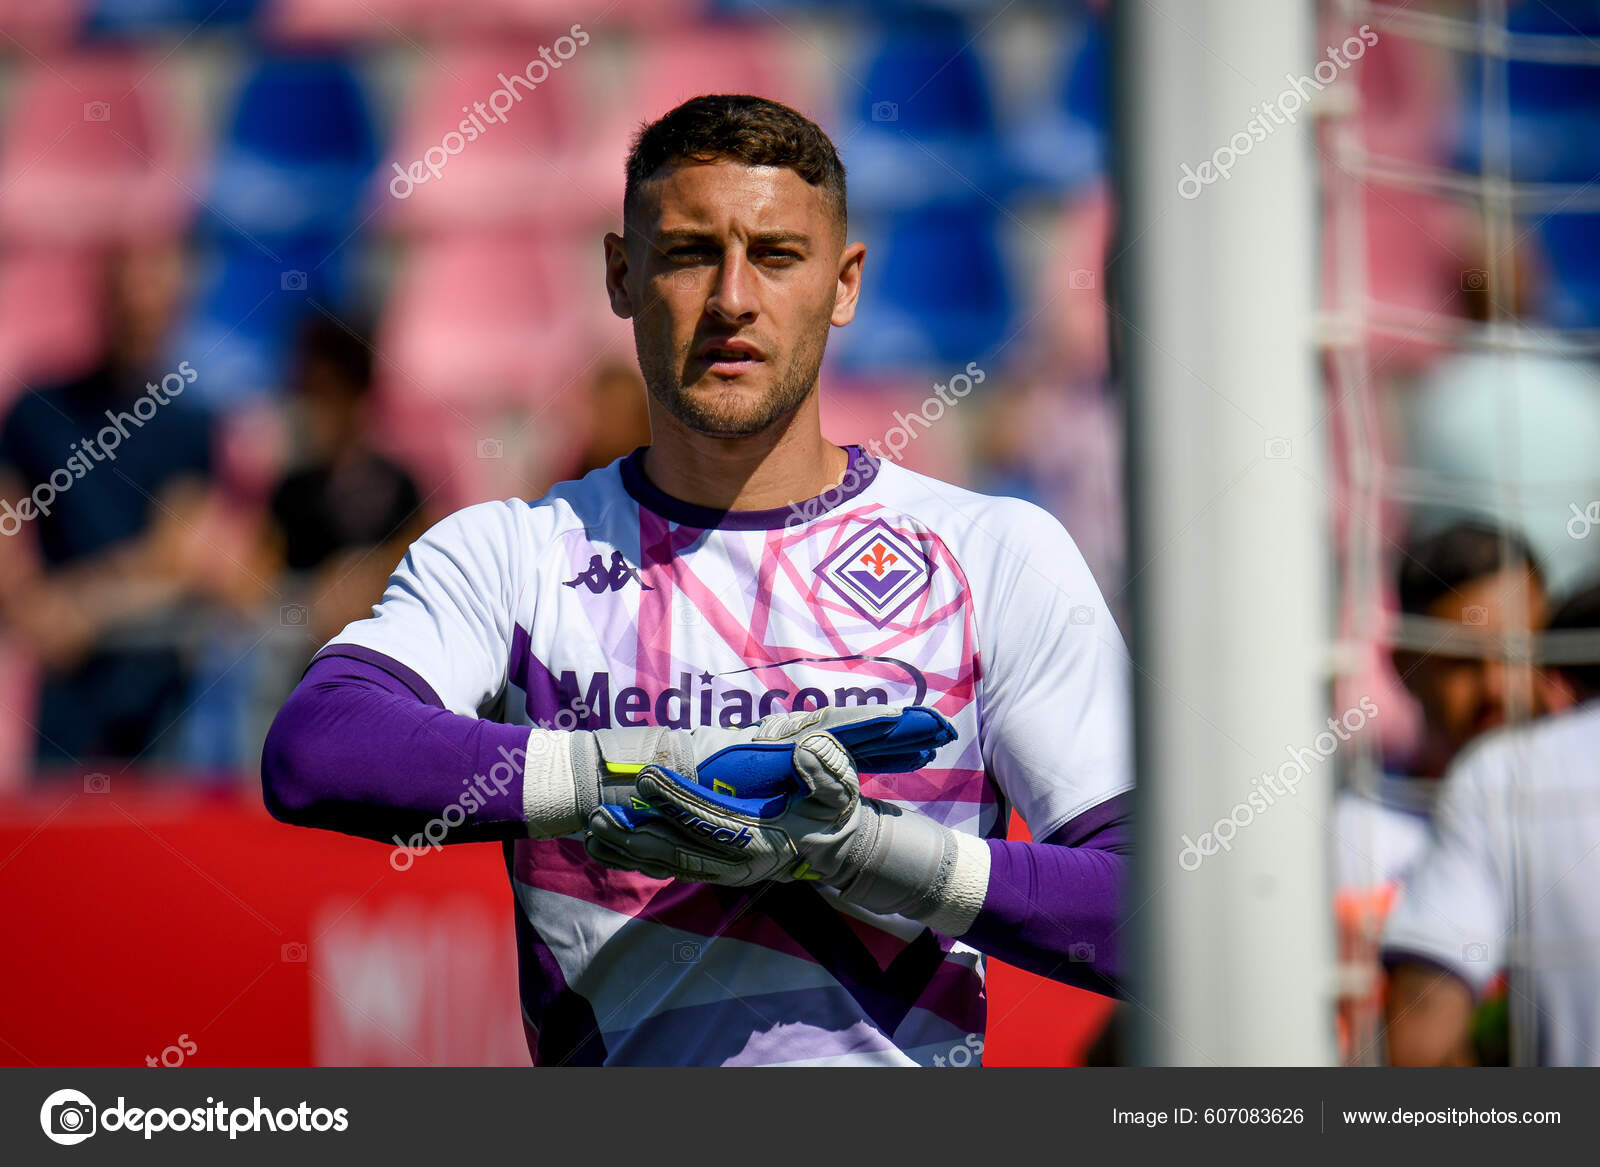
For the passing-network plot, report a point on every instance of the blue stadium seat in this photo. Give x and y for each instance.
(246, 313)
(1060, 143)
(112, 18)
(1554, 107)
(297, 154)
(1572, 257)
(935, 297)
(923, 131)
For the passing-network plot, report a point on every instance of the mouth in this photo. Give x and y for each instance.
(730, 358)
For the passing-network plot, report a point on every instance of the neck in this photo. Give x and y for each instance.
(788, 462)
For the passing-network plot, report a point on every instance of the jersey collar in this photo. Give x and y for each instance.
(859, 472)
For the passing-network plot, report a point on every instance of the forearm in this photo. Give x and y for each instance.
(359, 750)
(1053, 907)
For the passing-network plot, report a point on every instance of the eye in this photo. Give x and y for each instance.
(777, 256)
(692, 253)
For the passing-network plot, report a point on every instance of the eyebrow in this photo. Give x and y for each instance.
(695, 235)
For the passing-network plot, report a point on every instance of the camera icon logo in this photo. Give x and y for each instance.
(1278, 449)
(1475, 614)
(491, 448)
(294, 281)
(685, 951)
(97, 784)
(1474, 279)
(294, 953)
(885, 111)
(1080, 952)
(1080, 279)
(292, 615)
(1080, 614)
(684, 279)
(97, 111)
(68, 1117)
(1476, 952)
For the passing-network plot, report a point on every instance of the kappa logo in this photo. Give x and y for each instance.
(599, 578)
(878, 572)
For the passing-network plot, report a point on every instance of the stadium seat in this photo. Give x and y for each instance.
(923, 128)
(938, 294)
(327, 22)
(1572, 256)
(140, 17)
(297, 153)
(485, 319)
(516, 170)
(93, 150)
(1553, 107)
(41, 26)
(1059, 141)
(50, 325)
(247, 309)
(663, 71)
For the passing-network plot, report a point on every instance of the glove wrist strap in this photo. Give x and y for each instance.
(906, 864)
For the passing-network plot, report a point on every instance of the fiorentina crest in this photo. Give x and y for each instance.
(878, 572)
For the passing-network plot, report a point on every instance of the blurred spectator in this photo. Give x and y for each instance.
(1484, 583)
(619, 417)
(107, 537)
(344, 517)
(1508, 881)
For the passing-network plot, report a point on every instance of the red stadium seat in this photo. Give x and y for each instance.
(50, 324)
(41, 26)
(666, 70)
(487, 320)
(93, 150)
(516, 170)
(324, 21)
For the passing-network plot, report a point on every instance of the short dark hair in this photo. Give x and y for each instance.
(737, 128)
(1580, 612)
(348, 354)
(1435, 565)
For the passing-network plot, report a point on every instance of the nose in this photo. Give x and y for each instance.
(733, 299)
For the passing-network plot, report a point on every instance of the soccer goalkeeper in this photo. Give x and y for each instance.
(754, 708)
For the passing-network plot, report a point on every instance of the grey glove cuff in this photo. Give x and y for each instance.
(570, 773)
(906, 864)
(607, 761)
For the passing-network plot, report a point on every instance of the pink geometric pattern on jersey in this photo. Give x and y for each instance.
(952, 992)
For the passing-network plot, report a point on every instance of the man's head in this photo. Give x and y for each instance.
(333, 382)
(733, 263)
(1580, 612)
(1485, 582)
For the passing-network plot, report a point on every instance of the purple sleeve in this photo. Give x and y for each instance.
(1053, 906)
(364, 746)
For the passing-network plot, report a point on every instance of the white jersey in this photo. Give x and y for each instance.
(1509, 881)
(610, 603)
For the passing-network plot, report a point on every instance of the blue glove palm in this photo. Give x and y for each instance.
(757, 778)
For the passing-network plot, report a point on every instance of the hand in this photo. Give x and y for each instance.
(879, 856)
(566, 781)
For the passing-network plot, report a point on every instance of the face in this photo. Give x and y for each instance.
(732, 275)
(1467, 686)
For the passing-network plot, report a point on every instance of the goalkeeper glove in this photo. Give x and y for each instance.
(878, 856)
(571, 774)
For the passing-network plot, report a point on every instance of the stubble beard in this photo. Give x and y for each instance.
(727, 413)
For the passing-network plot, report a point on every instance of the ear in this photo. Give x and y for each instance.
(848, 288)
(617, 276)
